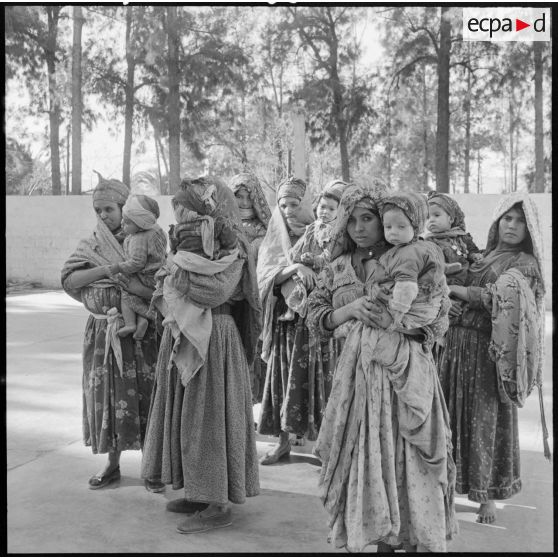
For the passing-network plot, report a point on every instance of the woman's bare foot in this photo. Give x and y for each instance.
(487, 512)
(283, 448)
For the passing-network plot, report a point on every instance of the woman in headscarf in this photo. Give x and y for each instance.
(200, 434)
(253, 207)
(295, 385)
(493, 354)
(117, 374)
(387, 472)
(255, 215)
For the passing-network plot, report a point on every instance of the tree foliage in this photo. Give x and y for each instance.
(243, 69)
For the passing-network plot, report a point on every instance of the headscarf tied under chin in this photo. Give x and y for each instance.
(413, 205)
(110, 190)
(369, 197)
(251, 184)
(450, 206)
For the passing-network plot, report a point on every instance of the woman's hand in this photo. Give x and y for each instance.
(455, 310)
(457, 291)
(361, 309)
(133, 285)
(307, 275)
(380, 316)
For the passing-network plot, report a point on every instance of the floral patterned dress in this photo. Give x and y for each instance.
(116, 391)
(387, 472)
(484, 425)
(115, 403)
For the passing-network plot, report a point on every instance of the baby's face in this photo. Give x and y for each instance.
(129, 227)
(327, 209)
(397, 227)
(438, 220)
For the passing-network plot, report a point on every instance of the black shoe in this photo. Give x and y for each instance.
(154, 485)
(181, 505)
(100, 481)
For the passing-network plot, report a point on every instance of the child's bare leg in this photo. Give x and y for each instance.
(141, 327)
(129, 319)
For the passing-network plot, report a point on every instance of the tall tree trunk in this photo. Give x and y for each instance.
(424, 132)
(129, 106)
(53, 13)
(539, 128)
(389, 145)
(467, 171)
(76, 102)
(174, 100)
(341, 126)
(512, 154)
(338, 105)
(243, 148)
(442, 131)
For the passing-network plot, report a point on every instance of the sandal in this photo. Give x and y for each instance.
(152, 485)
(100, 481)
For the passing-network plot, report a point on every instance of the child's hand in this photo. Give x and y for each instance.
(452, 268)
(112, 269)
(307, 258)
(477, 257)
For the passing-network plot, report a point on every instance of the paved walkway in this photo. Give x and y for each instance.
(51, 509)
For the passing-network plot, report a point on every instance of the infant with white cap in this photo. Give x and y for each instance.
(145, 247)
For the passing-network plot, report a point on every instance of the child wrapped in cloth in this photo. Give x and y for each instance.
(200, 435)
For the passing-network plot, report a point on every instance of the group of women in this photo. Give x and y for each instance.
(398, 432)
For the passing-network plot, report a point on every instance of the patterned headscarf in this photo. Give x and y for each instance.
(111, 190)
(413, 205)
(368, 197)
(250, 182)
(291, 187)
(450, 206)
(335, 189)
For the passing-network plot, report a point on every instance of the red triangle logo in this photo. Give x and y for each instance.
(519, 25)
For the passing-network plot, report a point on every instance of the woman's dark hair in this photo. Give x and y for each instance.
(527, 244)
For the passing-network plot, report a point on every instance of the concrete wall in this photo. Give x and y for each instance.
(42, 231)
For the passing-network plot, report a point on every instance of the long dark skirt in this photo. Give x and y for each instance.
(484, 430)
(298, 379)
(201, 437)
